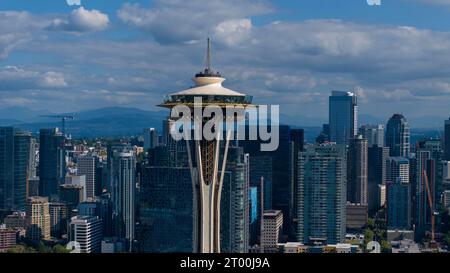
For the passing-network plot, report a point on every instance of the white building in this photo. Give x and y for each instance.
(87, 231)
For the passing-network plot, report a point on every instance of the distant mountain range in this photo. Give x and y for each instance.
(126, 121)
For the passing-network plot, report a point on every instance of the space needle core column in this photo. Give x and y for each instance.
(207, 161)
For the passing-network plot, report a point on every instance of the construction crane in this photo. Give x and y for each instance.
(63, 118)
(432, 212)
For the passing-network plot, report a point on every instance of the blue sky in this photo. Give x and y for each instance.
(63, 58)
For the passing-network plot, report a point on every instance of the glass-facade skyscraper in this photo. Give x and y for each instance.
(398, 136)
(343, 116)
(322, 194)
(447, 140)
(123, 167)
(15, 167)
(52, 164)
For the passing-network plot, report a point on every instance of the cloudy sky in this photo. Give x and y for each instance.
(95, 53)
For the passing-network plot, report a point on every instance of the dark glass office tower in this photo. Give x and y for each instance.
(52, 165)
(447, 140)
(281, 184)
(297, 139)
(343, 116)
(22, 150)
(166, 201)
(398, 136)
(15, 149)
(6, 167)
(376, 175)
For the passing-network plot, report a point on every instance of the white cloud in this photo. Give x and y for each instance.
(16, 78)
(233, 32)
(82, 20)
(177, 21)
(73, 2)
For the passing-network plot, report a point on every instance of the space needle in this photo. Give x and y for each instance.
(207, 162)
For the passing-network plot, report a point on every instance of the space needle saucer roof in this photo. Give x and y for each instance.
(208, 86)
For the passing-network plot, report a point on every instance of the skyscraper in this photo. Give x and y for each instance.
(376, 174)
(87, 231)
(15, 167)
(38, 219)
(357, 186)
(238, 199)
(425, 179)
(398, 205)
(52, 164)
(322, 193)
(150, 138)
(6, 167)
(86, 165)
(271, 166)
(447, 140)
(343, 116)
(297, 138)
(205, 161)
(398, 193)
(166, 201)
(374, 134)
(123, 166)
(398, 136)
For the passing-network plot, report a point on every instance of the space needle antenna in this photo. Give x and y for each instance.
(208, 56)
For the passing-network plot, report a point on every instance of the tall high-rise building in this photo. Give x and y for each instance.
(297, 138)
(376, 174)
(322, 194)
(6, 167)
(357, 186)
(58, 219)
(87, 232)
(272, 229)
(447, 140)
(205, 160)
(123, 167)
(166, 202)
(15, 168)
(398, 193)
(343, 116)
(150, 138)
(374, 134)
(86, 165)
(398, 136)
(38, 219)
(52, 164)
(238, 202)
(425, 173)
(272, 167)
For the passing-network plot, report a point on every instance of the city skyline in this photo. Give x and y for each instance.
(224, 171)
(131, 54)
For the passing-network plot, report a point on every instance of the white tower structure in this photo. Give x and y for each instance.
(208, 160)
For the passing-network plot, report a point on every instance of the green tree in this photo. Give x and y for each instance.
(60, 249)
(385, 247)
(368, 236)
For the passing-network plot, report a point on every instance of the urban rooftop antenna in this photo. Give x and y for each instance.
(208, 56)
(208, 72)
